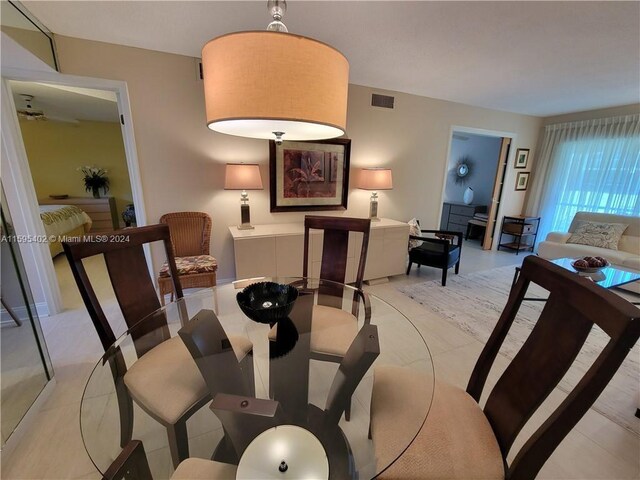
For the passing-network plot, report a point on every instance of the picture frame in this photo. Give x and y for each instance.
(522, 158)
(522, 181)
(309, 176)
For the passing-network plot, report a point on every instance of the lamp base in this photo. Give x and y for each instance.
(373, 210)
(245, 217)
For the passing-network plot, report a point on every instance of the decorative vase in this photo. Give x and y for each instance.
(468, 196)
(129, 215)
(96, 192)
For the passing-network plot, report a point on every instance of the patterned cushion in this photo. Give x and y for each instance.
(594, 234)
(414, 229)
(191, 265)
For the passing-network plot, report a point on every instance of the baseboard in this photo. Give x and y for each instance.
(42, 310)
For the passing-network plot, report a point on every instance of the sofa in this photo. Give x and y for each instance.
(627, 255)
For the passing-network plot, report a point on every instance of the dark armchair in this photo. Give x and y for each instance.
(438, 252)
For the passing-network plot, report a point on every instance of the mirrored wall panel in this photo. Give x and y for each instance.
(21, 26)
(25, 365)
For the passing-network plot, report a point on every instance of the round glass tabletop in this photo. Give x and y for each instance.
(238, 380)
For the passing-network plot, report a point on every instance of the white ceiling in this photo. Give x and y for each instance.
(537, 58)
(67, 104)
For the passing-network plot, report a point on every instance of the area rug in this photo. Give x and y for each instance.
(474, 302)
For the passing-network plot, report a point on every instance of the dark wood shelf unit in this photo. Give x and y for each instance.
(520, 229)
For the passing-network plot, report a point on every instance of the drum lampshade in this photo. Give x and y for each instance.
(260, 82)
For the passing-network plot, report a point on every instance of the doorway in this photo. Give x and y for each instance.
(76, 156)
(473, 183)
(20, 188)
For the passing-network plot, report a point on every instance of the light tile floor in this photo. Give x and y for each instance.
(52, 447)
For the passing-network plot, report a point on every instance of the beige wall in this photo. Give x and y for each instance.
(182, 162)
(56, 149)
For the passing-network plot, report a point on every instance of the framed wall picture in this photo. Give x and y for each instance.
(309, 175)
(522, 158)
(522, 180)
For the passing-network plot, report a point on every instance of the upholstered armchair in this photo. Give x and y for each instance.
(437, 251)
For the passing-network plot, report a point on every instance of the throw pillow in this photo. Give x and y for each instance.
(594, 234)
(414, 229)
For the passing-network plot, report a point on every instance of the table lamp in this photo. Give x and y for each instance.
(375, 179)
(243, 176)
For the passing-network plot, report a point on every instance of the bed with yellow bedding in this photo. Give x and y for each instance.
(63, 221)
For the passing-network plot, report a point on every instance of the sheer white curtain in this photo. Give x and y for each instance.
(587, 166)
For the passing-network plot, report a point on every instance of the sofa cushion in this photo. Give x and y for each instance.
(595, 234)
(630, 244)
(633, 222)
(632, 262)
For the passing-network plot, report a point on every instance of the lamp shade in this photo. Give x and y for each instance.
(258, 83)
(242, 176)
(376, 179)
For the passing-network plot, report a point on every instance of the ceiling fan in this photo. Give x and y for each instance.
(28, 112)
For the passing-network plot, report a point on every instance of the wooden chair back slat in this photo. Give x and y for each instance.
(337, 228)
(360, 356)
(211, 349)
(137, 297)
(190, 232)
(335, 248)
(574, 306)
(131, 281)
(536, 369)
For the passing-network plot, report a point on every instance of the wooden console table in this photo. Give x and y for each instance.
(277, 250)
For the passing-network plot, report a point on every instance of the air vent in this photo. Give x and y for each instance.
(199, 73)
(383, 101)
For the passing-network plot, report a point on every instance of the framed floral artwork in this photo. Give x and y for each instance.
(309, 175)
(522, 180)
(522, 158)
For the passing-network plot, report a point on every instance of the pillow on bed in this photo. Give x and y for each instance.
(595, 234)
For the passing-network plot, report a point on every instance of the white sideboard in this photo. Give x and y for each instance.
(277, 250)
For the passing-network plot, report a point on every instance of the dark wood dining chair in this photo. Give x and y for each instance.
(437, 251)
(132, 464)
(165, 381)
(333, 328)
(462, 440)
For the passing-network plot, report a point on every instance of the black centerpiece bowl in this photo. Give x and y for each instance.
(267, 302)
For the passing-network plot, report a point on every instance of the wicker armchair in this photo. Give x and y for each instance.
(191, 237)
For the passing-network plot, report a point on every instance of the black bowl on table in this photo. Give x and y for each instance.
(267, 302)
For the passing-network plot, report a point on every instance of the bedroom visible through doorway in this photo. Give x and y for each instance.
(70, 133)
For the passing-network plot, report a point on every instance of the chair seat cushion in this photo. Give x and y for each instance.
(166, 380)
(201, 469)
(332, 330)
(456, 440)
(432, 254)
(191, 265)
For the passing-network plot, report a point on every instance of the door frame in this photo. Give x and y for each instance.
(16, 173)
(478, 131)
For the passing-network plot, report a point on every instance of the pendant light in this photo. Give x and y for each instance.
(275, 85)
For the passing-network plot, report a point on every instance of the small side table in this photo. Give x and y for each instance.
(520, 228)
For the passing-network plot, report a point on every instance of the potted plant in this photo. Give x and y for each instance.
(95, 179)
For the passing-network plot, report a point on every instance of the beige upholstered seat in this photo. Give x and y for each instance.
(167, 381)
(201, 469)
(456, 441)
(332, 330)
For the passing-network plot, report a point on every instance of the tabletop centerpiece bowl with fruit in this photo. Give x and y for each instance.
(590, 264)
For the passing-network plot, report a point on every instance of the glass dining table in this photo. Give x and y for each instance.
(308, 393)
